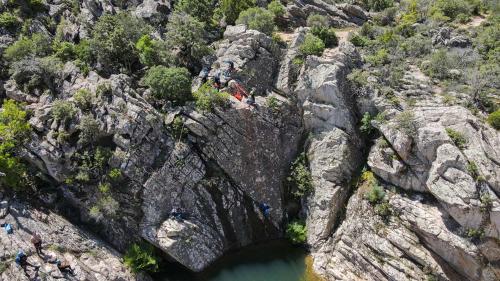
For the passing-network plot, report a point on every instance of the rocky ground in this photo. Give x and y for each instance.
(438, 217)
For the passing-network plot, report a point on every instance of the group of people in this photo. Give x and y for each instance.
(22, 258)
(222, 80)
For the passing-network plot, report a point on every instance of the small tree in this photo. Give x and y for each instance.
(300, 176)
(200, 9)
(62, 111)
(170, 83)
(231, 9)
(207, 98)
(276, 8)
(258, 19)
(317, 21)
(375, 195)
(312, 45)
(494, 119)
(141, 258)
(36, 45)
(89, 129)
(296, 232)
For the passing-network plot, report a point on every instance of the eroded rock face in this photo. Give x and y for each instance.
(89, 257)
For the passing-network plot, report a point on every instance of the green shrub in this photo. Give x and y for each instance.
(494, 119)
(37, 73)
(178, 128)
(83, 99)
(113, 41)
(141, 258)
(406, 123)
(450, 9)
(276, 8)
(170, 83)
(83, 51)
(486, 202)
(327, 35)
(366, 126)
(272, 103)
(153, 52)
(457, 138)
(258, 19)
(62, 111)
(115, 174)
(383, 209)
(439, 65)
(36, 45)
(381, 57)
(377, 5)
(300, 177)
(473, 170)
(375, 195)
(358, 77)
(200, 9)
(231, 9)
(14, 131)
(358, 40)
(8, 20)
(104, 187)
(207, 98)
(186, 34)
(89, 129)
(296, 232)
(317, 21)
(475, 233)
(312, 45)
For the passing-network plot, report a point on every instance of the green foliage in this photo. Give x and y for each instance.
(170, 83)
(115, 174)
(296, 232)
(83, 99)
(381, 57)
(475, 233)
(37, 73)
(457, 138)
(8, 20)
(312, 45)
(64, 50)
(186, 34)
(486, 202)
(207, 98)
(406, 123)
(14, 131)
(141, 258)
(450, 9)
(383, 209)
(104, 187)
(272, 103)
(113, 40)
(473, 170)
(358, 77)
(106, 205)
(439, 65)
(317, 21)
(375, 195)
(231, 9)
(258, 19)
(488, 40)
(377, 5)
(62, 111)
(366, 126)
(178, 128)
(300, 177)
(358, 40)
(494, 119)
(200, 9)
(36, 45)
(327, 35)
(276, 8)
(89, 130)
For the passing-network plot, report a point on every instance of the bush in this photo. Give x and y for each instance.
(37, 73)
(494, 119)
(36, 45)
(113, 41)
(327, 35)
(153, 52)
(300, 177)
(276, 8)
(115, 174)
(377, 5)
(375, 195)
(200, 9)
(358, 40)
(65, 51)
(231, 9)
(439, 65)
(383, 209)
(317, 21)
(312, 45)
(366, 126)
(296, 232)
(186, 34)
(207, 98)
(457, 138)
(89, 130)
(8, 20)
(258, 19)
(62, 111)
(170, 83)
(450, 9)
(381, 57)
(141, 258)
(83, 99)
(406, 123)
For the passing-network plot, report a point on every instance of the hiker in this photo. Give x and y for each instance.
(8, 228)
(204, 74)
(64, 266)
(251, 99)
(216, 78)
(227, 74)
(36, 240)
(22, 261)
(265, 209)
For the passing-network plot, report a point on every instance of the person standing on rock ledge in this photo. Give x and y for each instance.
(36, 240)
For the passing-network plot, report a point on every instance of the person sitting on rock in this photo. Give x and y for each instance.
(251, 99)
(36, 240)
(265, 209)
(64, 266)
(8, 228)
(22, 261)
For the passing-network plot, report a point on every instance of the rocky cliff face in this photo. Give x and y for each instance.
(435, 165)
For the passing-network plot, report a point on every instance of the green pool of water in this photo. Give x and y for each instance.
(276, 261)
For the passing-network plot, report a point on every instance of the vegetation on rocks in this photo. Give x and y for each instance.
(300, 177)
(141, 257)
(296, 232)
(172, 83)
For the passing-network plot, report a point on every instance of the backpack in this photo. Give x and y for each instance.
(19, 257)
(9, 229)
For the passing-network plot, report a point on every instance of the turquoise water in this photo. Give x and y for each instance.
(277, 261)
